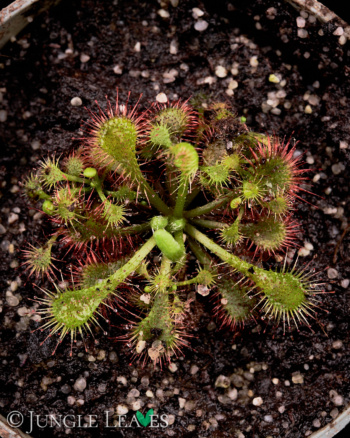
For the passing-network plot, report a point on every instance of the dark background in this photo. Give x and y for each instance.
(345, 433)
(341, 8)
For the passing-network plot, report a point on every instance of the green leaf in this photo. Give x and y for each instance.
(144, 420)
(168, 245)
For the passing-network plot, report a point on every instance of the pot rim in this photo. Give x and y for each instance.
(321, 12)
(11, 432)
(335, 426)
(16, 16)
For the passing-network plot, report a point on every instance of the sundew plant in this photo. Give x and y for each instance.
(154, 204)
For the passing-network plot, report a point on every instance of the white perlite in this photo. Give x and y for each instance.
(122, 409)
(300, 22)
(162, 98)
(136, 405)
(173, 47)
(302, 33)
(71, 400)
(13, 217)
(220, 71)
(207, 80)
(203, 290)
(345, 283)
(316, 423)
(337, 168)
(146, 298)
(194, 369)
(117, 69)
(303, 252)
(172, 367)
(80, 384)
(182, 402)
(35, 144)
(337, 399)
(254, 61)
(3, 116)
(76, 101)
(84, 58)
(12, 301)
(196, 13)
(233, 394)
(308, 246)
(232, 85)
(201, 25)
(133, 393)
(330, 210)
(332, 273)
(258, 401)
(23, 311)
(337, 345)
(297, 378)
(342, 40)
(163, 13)
(222, 382)
(170, 76)
(338, 31)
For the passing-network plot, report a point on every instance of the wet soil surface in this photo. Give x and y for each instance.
(279, 385)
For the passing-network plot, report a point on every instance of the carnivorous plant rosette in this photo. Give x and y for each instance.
(146, 193)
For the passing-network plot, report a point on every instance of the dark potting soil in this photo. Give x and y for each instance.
(280, 385)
